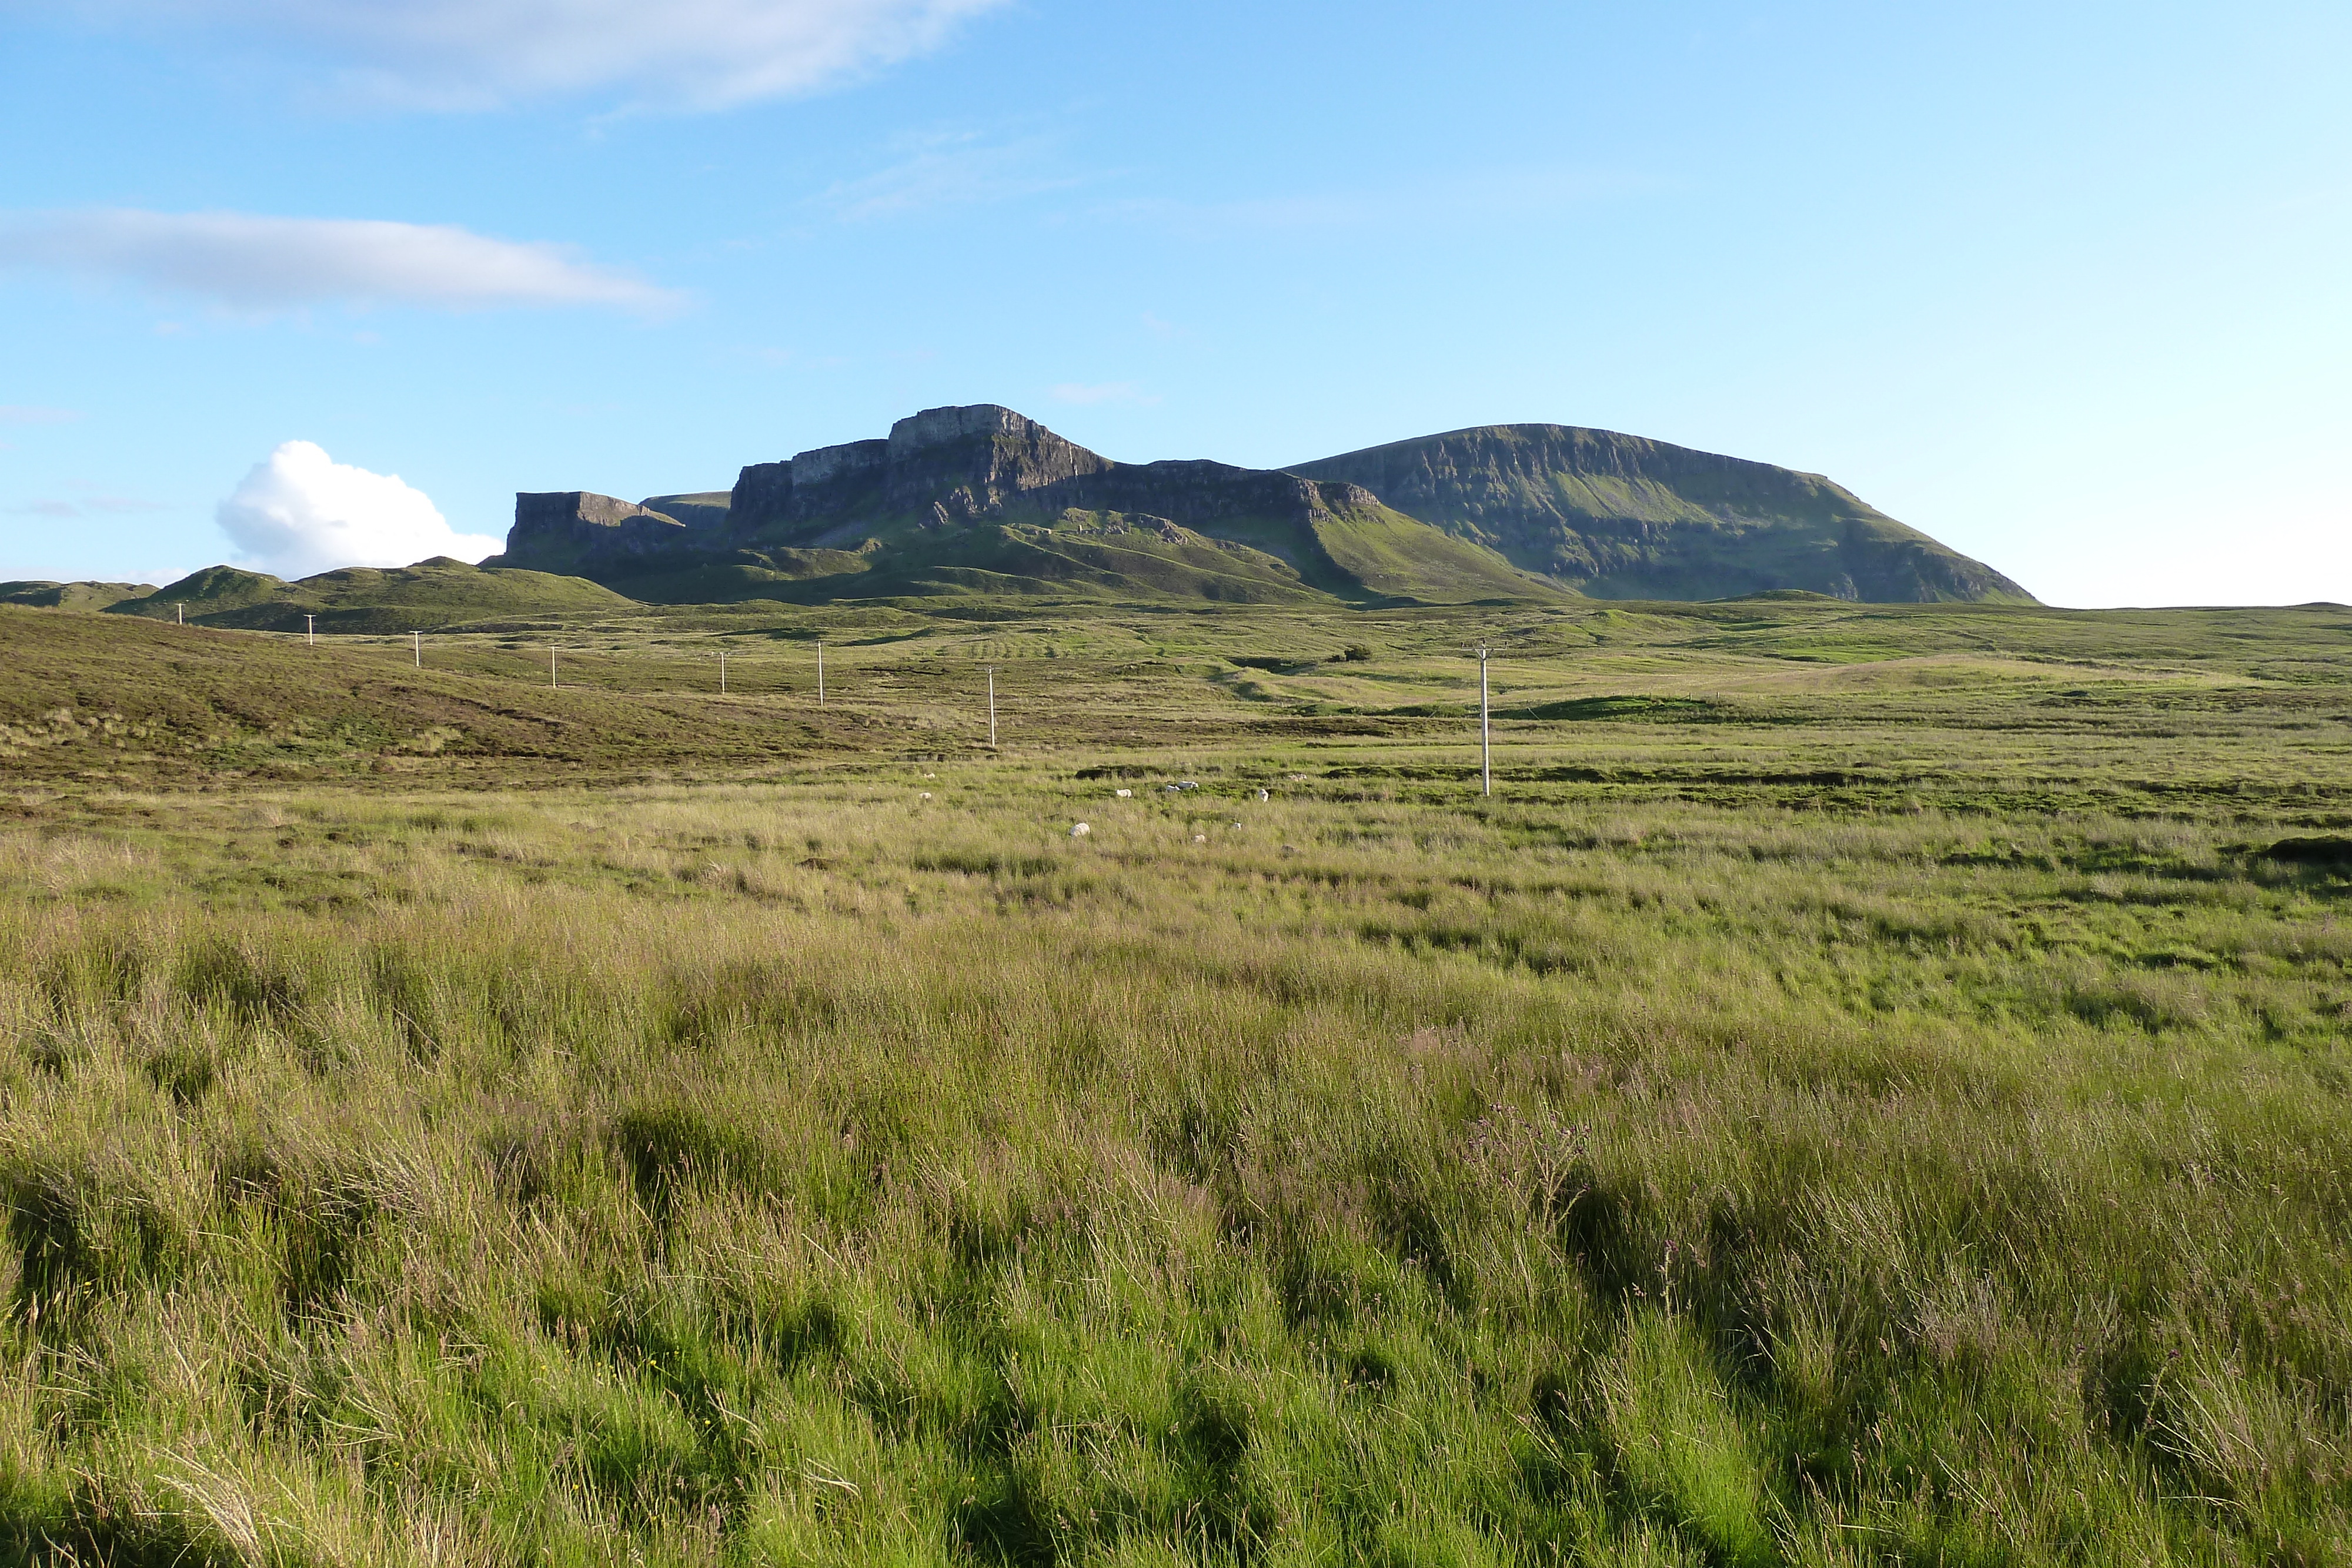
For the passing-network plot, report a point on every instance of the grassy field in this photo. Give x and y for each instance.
(1873, 1085)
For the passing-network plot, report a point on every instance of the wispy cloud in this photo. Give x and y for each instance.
(477, 54)
(88, 506)
(1087, 394)
(1485, 194)
(946, 169)
(23, 413)
(253, 263)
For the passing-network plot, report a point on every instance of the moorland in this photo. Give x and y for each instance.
(1872, 1084)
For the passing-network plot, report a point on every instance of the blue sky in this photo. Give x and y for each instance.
(2066, 287)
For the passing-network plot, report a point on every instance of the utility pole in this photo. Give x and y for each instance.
(820, 674)
(551, 669)
(1485, 732)
(991, 707)
(417, 646)
(722, 673)
(183, 611)
(310, 629)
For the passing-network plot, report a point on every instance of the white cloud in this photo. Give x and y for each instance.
(252, 263)
(300, 512)
(471, 53)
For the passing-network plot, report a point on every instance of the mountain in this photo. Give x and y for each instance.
(71, 595)
(982, 500)
(1619, 516)
(431, 594)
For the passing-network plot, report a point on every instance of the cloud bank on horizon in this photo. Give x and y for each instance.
(300, 512)
(247, 262)
(479, 54)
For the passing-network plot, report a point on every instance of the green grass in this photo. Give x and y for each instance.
(1883, 1110)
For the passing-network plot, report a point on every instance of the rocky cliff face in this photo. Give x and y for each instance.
(948, 466)
(1622, 517)
(943, 464)
(580, 532)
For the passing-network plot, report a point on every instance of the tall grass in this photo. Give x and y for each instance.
(820, 1174)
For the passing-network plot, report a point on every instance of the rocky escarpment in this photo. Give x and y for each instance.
(947, 469)
(580, 532)
(1622, 517)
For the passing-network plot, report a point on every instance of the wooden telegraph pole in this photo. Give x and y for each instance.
(417, 646)
(722, 672)
(991, 707)
(311, 630)
(820, 674)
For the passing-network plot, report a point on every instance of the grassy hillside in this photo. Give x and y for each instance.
(1872, 1084)
(71, 595)
(1619, 516)
(98, 701)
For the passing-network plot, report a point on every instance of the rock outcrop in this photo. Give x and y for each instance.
(948, 466)
(578, 532)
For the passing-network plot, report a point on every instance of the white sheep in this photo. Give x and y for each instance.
(924, 795)
(1264, 795)
(1081, 830)
(1200, 838)
(1124, 794)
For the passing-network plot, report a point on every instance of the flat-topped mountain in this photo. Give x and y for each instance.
(1619, 516)
(981, 499)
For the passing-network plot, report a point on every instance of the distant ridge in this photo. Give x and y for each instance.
(981, 501)
(362, 598)
(1622, 517)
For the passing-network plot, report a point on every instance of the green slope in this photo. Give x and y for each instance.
(1620, 516)
(71, 595)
